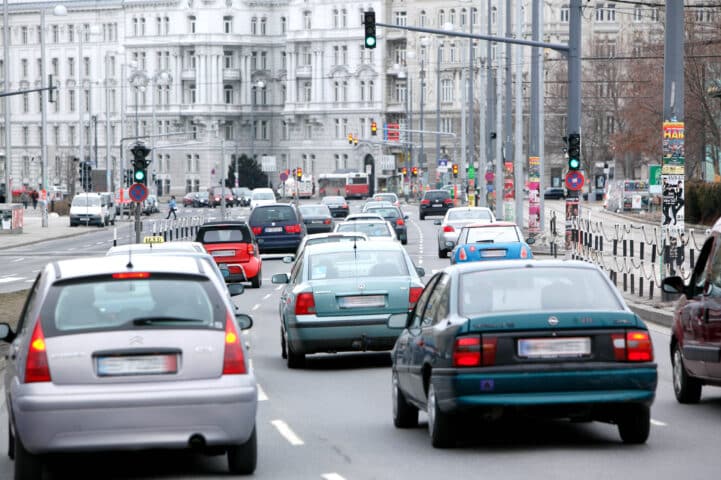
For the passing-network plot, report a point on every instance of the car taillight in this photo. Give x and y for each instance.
(400, 222)
(413, 296)
(524, 252)
(257, 230)
(462, 255)
(251, 249)
(326, 221)
(425, 202)
(131, 275)
(36, 367)
(292, 228)
(633, 346)
(474, 351)
(448, 228)
(233, 359)
(447, 200)
(304, 304)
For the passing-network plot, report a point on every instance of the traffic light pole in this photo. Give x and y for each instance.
(573, 209)
(138, 223)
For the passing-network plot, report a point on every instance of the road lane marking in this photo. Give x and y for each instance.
(35, 271)
(30, 281)
(332, 476)
(256, 307)
(17, 260)
(262, 397)
(100, 243)
(71, 249)
(11, 279)
(266, 297)
(287, 433)
(658, 423)
(88, 245)
(279, 287)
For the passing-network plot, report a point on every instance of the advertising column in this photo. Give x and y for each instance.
(672, 191)
(534, 195)
(508, 192)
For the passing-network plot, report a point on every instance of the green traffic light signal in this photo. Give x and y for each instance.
(574, 151)
(574, 163)
(369, 22)
(139, 176)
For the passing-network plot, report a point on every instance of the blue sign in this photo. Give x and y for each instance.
(443, 162)
(138, 192)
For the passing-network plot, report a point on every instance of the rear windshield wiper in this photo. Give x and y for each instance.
(152, 320)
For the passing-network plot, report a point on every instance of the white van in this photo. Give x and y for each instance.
(262, 196)
(89, 209)
(108, 202)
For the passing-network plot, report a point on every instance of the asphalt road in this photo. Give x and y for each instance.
(332, 421)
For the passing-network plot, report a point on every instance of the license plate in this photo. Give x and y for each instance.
(437, 204)
(362, 301)
(273, 229)
(137, 365)
(316, 221)
(223, 253)
(493, 253)
(554, 347)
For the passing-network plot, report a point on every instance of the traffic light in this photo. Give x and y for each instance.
(369, 21)
(350, 139)
(374, 128)
(574, 151)
(414, 171)
(455, 170)
(86, 180)
(404, 171)
(128, 180)
(140, 163)
(299, 173)
(355, 140)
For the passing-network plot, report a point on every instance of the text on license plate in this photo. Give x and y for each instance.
(554, 347)
(437, 205)
(362, 301)
(137, 365)
(273, 229)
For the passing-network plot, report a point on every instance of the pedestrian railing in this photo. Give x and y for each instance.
(184, 228)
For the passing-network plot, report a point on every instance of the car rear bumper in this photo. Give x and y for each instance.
(240, 271)
(55, 418)
(318, 228)
(539, 387)
(313, 334)
(434, 210)
(86, 219)
(285, 243)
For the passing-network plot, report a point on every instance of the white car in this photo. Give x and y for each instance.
(262, 196)
(374, 229)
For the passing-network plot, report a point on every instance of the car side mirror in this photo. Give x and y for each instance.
(436, 222)
(288, 259)
(244, 321)
(280, 278)
(6, 333)
(673, 285)
(421, 271)
(531, 240)
(235, 289)
(405, 217)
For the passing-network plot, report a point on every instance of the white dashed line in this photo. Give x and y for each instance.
(256, 307)
(71, 249)
(88, 245)
(29, 281)
(266, 297)
(35, 271)
(100, 243)
(332, 476)
(279, 287)
(17, 260)
(658, 423)
(262, 397)
(286, 432)
(10, 279)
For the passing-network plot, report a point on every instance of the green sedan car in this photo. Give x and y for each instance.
(549, 338)
(340, 297)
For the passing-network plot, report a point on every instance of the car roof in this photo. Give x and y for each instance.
(195, 247)
(518, 264)
(491, 224)
(368, 215)
(350, 246)
(455, 209)
(434, 191)
(227, 223)
(90, 266)
(334, 235)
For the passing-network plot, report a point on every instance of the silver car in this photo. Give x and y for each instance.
(454, 220)
(119, 353)
(374, 229)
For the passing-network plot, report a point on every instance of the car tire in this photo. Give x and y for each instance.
(283, 350)
(440, 424)
(634, 424)
(27, 465)
(242, 459)
(11, 443)
(294, 360)
(442, 253)
(686, 388)
(422, 217)
(405, 415)
(257, 281)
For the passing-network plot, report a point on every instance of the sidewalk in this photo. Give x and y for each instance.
(33, 231)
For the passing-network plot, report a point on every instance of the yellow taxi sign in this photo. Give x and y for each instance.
(153, 239)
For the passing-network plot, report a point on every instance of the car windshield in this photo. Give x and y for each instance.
(469, 215)
(272, 214)
(385, 212)
(224, 235)
(263, 196)
(372, 229)
(361, 264)
(502, 234)
(121, 304)
(315, 211)
(532, 290)
(86, 202)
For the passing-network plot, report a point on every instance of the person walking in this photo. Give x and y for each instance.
(25, 198)
(172, 208)
(34, 196)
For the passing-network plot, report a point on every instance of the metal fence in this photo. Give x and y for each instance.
(184, 228)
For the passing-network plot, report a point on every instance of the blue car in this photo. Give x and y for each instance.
(278, 227)
(491, 241)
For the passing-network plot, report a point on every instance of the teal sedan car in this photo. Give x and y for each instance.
(551, 338)
(341, 297)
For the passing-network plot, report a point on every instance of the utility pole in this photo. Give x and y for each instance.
(438, 101)
(490, 109)
(574, 107)
(536, 133)
(421, 155)
(108, 171)
(518, 130)
(7, 103)
(471, 110)
(43, 123)
(508, 108)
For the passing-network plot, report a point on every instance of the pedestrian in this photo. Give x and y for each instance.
(25, 198)
(34, 196)
(172, 208)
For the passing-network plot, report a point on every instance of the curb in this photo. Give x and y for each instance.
(652, 314)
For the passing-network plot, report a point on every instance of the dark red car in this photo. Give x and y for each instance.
(233, 246)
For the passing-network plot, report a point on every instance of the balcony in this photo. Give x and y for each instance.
(187, 74)
(231, 74)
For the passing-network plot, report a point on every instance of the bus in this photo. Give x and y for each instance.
(357, 185)
(348, 185)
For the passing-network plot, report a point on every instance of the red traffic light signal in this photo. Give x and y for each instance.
(350, 138)
(414, 171)
(374, 128)
(299, 173)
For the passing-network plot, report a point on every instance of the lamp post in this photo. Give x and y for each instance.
(7, 103)
(424, 41)
(259, 85)
(160, 79)
(82, 32)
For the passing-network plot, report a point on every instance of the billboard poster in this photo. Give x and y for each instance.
(673, 148)
(534, 186)
(654, 179)
(673, 202)
(572, 213)
(508, 192)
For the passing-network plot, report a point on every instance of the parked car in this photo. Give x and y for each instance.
(277, 227)
(395, 217)
(189, 199)
(338, 205)
(75, 365)
(376, 230)
(340, 297)
(242, 196)
(695, 344)
(553, 193)
(435, 202)
(201, 200)
(491, 241)
(317, 218)
(233, 246)
(552, 338)
(88, 209)
(454, 220)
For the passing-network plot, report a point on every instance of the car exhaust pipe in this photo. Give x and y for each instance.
(196, 441)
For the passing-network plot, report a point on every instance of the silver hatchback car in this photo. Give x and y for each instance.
(128, 353)
(455, 219)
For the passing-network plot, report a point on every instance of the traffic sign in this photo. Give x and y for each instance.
(574, 180)
(138, 192)
(283, 176)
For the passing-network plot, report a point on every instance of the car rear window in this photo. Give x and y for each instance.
(385, 212)
(86, 202)
(361, 264)
(372, 229)
(469, 215)
(262, 196)
(436, 195)
(493, 235)
(224, 235)
(315, 211)
(263, 215)
(108, 304)
(333, 200)
(344, 238)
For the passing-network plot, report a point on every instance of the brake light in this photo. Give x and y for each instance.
(36, 367)
(251, 249)
(326, 221)
(467, 352)
(425, 202)
(524, 252)
(257, 230)
(447, 200)
(634, 346)
(448, 228)
(233, 358)
(131, 275)
(400, 222)
(305, 304)
(413, 295)
(292, 228)
(462, 255)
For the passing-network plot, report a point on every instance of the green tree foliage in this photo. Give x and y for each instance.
(249, 173)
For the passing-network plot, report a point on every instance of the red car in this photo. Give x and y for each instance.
(233, 247)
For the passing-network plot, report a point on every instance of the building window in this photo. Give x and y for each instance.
(71, 135)
(446, 124)
(400, 19)
(611, 12)
(71, 33)
(336, 91)
(400, 91)
(400, 55)
(228, 91)
(306, 92)
(463, 17)
(344, 18)
(71, 100)
(254, 26)
(474, 16)
(24, 35)
(263, 60)
(264, 130)
(283, 25)
(284, 130)
(655, 15)
(283, 60)
(55, 34)
(344, 55)
(451, 17)
(441, 18)
(86, 66)
(191, 23)
(26, 103)
(158, 25)
(228, 59)
(191, 93)
(26, 135)
(308, 130)
(446, 90)
(135, 26)
(24, 68)
(263, 26)
(307, 19)
(336, 18)
(362, 90)
(254, 61)
(338, 134)
(142, 29)
(452, 52)
(227, 24)
(422, 19)
(565, 14)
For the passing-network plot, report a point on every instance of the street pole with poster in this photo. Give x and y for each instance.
(534, 195)
(508, 192)
(673, 198)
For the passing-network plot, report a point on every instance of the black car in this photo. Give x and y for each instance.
(337, 205)
(396, 218)
(242, 196)
(277, 227)
(201, 200)
(435, 202)
(317, 218)
(554, 193)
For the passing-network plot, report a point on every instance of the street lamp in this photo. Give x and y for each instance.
(259, 85)
(82, 32)
(160, 79)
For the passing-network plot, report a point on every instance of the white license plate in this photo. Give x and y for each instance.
(273, 229)
(362, 301)
(223, 253)
(437, 204)
(493, 253)
(137, 365)
(554, 347)
(316, 221)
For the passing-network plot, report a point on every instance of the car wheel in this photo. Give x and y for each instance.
(11, 443)
(440, 424)
(27, 465)
(442, 253)
(294, 360)
(257, 281)
(686, 388)
(405, 415)
(634, 424)
(242, 459)
(422, 217)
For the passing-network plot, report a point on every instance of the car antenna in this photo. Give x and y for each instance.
(130, 257)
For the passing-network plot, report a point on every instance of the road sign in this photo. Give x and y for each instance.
(138, 192)
(283, 176)
(574, 180)
(267, 163)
